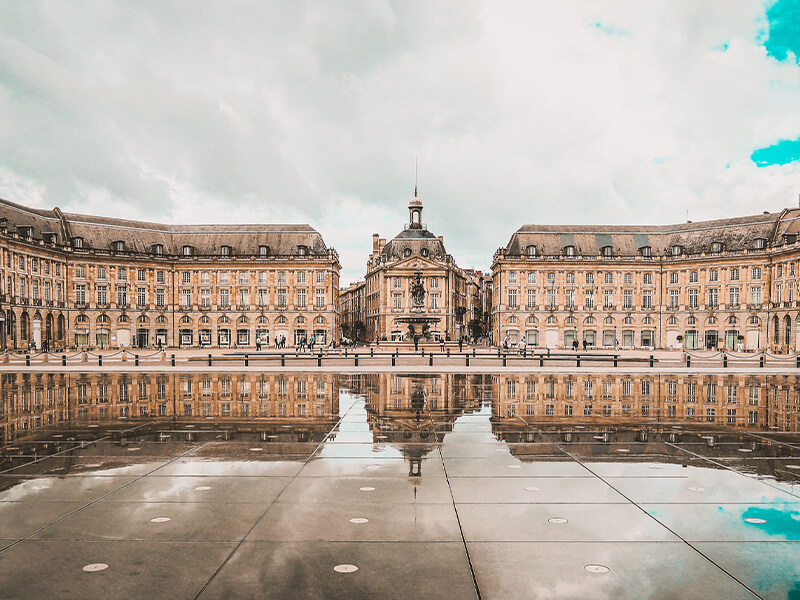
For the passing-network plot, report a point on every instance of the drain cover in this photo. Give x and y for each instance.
(367, 489)
(359, 520)
(755, 520)
(597, 569)
(532, 489)
(159, 519)
(558, 520)
(345, 568)
(696, 489)
(95, 567)
(514, 466)
(202, 488)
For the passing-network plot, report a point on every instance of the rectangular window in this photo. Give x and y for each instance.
(531, 299)
(122, 296)
(160, 298)
(713, 275)
(532, 277)
(589, 278)
(186, 298)
(141, 275)
(301, 298)
(627, 278)
(205, 297)
(551, 298)
(755, 273)
(301, 277)
(122, 274)
(186, 277)
(512, 298)
(141, 296)
(160, 277)
(102, 295)
(713, 297)
(319, 298)
(551, 277)
(320, 277)
(647, 279)
(733, 296)
(693, 277)
(282, 298)
(673, 278)
(512, 277)
(224, 298)
(609, 278)
(435, 301)
(570, 298)
(627, 299)
(673, 298)
(101, 272)
(647, 299)
(263, 297)
(80, 293)
(693, 302)
(755, 295)
(397, 301)
(734, 274)
(588, 300)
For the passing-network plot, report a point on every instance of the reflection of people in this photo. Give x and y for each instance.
(417, 290)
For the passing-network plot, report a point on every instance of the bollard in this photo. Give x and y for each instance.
(797, 362)
(27, 360)
(578, 360)
(688, 361)
(761, 361)
(209, 360)
(371, 352)
(100, 361)
(473, 353)
(724, 361)
(63, 360)
(652, 361)
(467, 360)
(505, 363)
(283, 360)
(616, 359)
(356, 360)
(430, 360)
(246, 360)
(319, 360)
(393, 360)
(498, 351)
(423, 353)
(541, 360)
(345, 350)
(135, 360)
(173, 360)
(448, 353)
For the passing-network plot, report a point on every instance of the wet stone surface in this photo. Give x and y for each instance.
(303, 485)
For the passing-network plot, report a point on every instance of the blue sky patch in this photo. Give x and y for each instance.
(609, 30)
(783, 18)
(782, 153)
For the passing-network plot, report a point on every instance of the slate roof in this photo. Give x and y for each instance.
(736, 234)
(140, 236)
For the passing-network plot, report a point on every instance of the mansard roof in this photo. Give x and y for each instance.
(140, 236)
(414, 240)
(735, 234)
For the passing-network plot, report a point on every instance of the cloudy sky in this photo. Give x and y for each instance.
(574, 111)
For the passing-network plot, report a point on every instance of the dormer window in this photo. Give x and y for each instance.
(531, 251)
(225, 251)
(759, 243)
(646, 251)
(158, 249)
(677, 250)
(407, 252)
(119, 246)
(25, 232)
(789, 238)
(77, 243)
(302, 251)
(424, 252)
(717, 247)
(50, 238)
(263, 250)
(188, 250)
(569, 250)
(607, 251)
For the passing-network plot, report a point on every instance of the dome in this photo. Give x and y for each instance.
(415, 201)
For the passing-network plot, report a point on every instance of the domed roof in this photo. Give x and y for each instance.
(415, 202)
(414, 242)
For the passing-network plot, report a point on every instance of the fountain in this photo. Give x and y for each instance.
(418, 319)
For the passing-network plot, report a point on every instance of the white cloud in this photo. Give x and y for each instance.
(519, 112)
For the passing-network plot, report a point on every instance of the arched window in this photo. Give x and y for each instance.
(646, 251)
(205, 319)
(673, 320)
(281, 319)
(569, 250)
(677, 250)
(607, 251)
(161, 319)
(186, 319)
(531, 251)
(263, 250)
(157, 249)
(717, 247)
(609, 320)
(759, 243)
(570, 320)
(188, 250)
(551, 319)
(691, 321)
(225, 251)
(732, 320)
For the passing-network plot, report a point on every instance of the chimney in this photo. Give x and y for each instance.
(375, 237)
(441, 239)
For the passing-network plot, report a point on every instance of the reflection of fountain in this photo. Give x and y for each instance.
(418, 320)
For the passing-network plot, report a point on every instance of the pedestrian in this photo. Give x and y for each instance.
(461, 344)
(584, 344)
(575, 345)
(258, 344)
(441, 345)
(311, 346)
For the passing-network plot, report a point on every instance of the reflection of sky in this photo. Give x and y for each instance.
(781, 521)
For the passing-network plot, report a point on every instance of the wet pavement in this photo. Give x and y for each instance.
(379, 488)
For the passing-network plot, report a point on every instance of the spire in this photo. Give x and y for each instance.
(415, 177)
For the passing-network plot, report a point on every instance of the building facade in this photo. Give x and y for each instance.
(82, 281)
(725, 284)
(392, 269)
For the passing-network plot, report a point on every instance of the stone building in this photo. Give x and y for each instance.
(724, 284)
(78, 281)
(392, 268)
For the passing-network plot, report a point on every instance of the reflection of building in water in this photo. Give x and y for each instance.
(740, 400)
(31, 402)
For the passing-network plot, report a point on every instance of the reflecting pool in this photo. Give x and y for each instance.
(378, 485)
